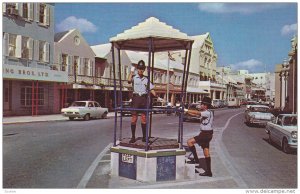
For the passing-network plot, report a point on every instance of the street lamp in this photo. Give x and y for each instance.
(170, 57)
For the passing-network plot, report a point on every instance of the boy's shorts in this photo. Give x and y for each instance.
(204, 138)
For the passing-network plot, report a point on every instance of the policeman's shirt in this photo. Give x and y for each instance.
(140, 85)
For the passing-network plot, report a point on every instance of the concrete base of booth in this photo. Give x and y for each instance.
(150, 166)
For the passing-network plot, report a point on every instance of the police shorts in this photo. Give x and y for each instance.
(204, 138)
(139, 102)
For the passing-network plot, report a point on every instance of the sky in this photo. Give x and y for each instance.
(251, 36)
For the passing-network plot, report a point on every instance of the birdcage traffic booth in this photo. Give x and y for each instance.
(159, 158)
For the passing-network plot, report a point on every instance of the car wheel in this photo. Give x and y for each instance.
(104, 116)
(86, 117)
(71, 118)
(285, 146)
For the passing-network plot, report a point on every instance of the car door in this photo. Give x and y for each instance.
(91, 109)
(277, 132)
(98, 110)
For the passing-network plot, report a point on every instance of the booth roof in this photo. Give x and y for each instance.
(164, 37)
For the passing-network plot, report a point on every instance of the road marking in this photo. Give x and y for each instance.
(87, 175)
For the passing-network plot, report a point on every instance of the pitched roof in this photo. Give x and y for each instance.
(199, 39)
(165, 37)
(101, 50)
(60, 35)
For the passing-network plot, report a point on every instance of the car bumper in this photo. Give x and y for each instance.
(293, 143)
(259, 122)
(72, 114)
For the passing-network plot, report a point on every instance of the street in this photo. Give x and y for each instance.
(57, 154)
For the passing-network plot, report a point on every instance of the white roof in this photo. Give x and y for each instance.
(165, 37)
(101, 50)
(199, 40)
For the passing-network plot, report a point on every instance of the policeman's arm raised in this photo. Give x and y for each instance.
(131, 74)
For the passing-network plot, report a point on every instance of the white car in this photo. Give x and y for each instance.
(85, 110)
(283, 131)
(258, 114)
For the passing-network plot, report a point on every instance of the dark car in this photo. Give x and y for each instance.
(159, 107)
(126, 104)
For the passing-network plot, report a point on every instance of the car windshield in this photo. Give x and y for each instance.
(290, 121)
(259, 109)
(81, 104)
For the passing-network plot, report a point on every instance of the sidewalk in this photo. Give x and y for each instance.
(39, 118)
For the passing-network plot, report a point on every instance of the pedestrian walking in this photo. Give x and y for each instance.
(139, 98)
(205, 135)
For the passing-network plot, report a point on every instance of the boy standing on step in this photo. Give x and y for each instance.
(205, 135)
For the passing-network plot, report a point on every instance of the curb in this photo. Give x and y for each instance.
(38, 121)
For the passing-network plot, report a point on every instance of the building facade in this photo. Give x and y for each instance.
(73, 55)
(29, 77)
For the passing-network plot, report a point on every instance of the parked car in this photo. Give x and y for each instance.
(258, 114)
(249, 103)
(188, 117)
(217, 103)
(283, 131)
(234, 103)
(85, 110)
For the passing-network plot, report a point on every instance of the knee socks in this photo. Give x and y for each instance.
(193, 150)
(133, 127)
(208, 164)
(144, 130)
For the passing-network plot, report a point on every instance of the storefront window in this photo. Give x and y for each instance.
(26, 96)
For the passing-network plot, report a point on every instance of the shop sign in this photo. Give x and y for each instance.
(29, 73)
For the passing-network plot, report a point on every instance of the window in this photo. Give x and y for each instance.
(43, 51)
(12, 45)
(11, 8)
(25, 10)
(26, 96)
(26, 48)
(86, 66)
(64, 62)
(43, 12)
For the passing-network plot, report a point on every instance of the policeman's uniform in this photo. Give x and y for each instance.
(139, 99)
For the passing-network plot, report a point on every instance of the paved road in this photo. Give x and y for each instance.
(260, 164)
(59, 154)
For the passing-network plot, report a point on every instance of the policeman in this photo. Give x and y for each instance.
(139, 98)
(205, 135)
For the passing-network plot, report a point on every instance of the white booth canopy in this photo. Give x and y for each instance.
(164, 37)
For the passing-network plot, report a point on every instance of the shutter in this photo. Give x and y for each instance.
(70, 65)
(89, 67)
(30, 11)
(81, 69)
(37, 12)
(20, 8)
(4, 7)
(30, 47)
(59, 60)
(36, 50)
(46, 52)
(18, 46)
(47, 15)
(5, 44)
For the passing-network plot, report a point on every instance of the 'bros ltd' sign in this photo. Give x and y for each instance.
(28, 73)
